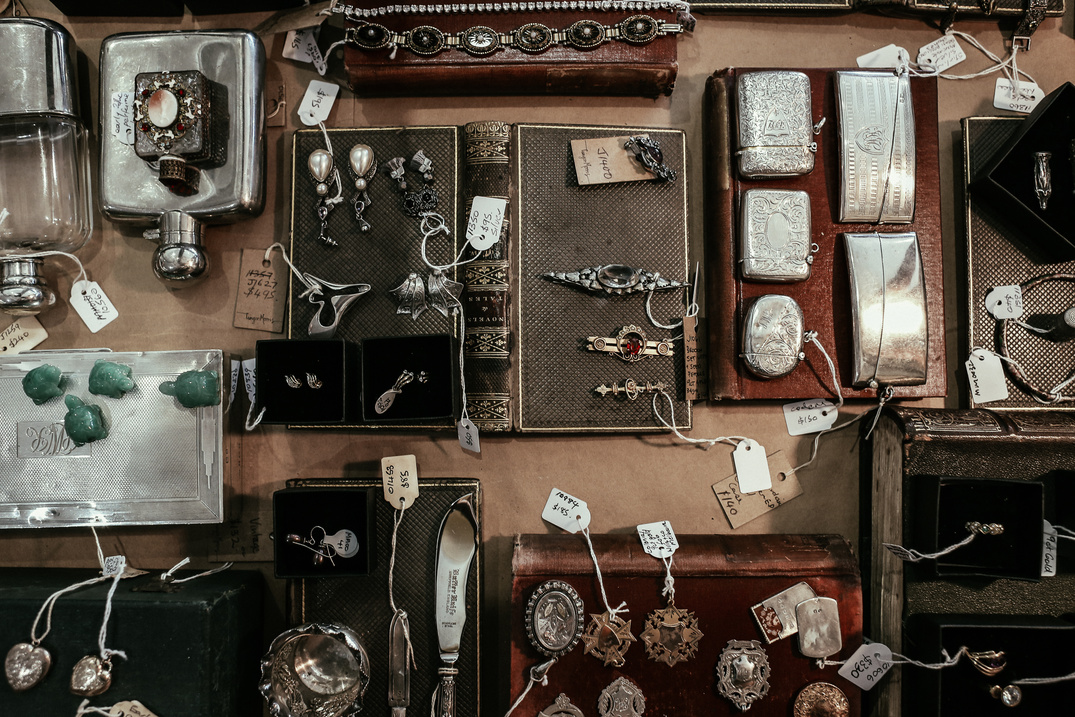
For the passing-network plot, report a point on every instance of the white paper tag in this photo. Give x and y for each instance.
(114, 565)
(742, 508)
(1029, 96)
(565, 511)
(317, 102)
(887, 56)
(296, 44)
(751, 467)
(816, 414)
(92, 306)
(1005, 302)
(130, 708)
(1048, 553)
(235, 368)
(344, 542)
(486, 219)
(942, 53)
(867, 666)
(658, 539)
(399, 474)
(250, 379)
(985, 377)
(21, 335)
(468, 436)
(121, 118)
(901, 552)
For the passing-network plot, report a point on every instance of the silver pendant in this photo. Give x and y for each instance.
(386, 399)
(1043, 179)
(776, 137)
(743, 673)
(334, 299)
(444, 293)
(615, 279)
(91, 676)
(411, 295)
(607, 638)
(26, 665)
(773, 334)
(622, 698)
(819, 627)
(671, 635)
(774, 236)
(554, 618)
(562, 707)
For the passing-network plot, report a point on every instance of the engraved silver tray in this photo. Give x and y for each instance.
(160, 464)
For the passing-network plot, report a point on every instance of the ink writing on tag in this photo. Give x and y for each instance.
(92, 305)
(690, 356)
(985, 377)
(317, 102)
(741, 508)
(751, 467)
(261, 298)
(867, 666)
(468, 436)
(1048, 554)
(941, 54)
(296, 44)
(21, 335)
(486, 219)
(604, 160)
(901, 552)
(114, 565)
(565, 511)
(1027, 99)
(235, 367)
(399, 475)
(250, 379)
(1005, 302)
(658, 539)
(887, 56)
(121, 118)
(130, 708)
(811, 416)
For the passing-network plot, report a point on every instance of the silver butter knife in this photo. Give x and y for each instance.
(456, 546)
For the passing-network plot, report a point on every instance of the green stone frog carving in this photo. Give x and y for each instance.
(43, 384)
(194, 389)
(84, 422)
(110, 379)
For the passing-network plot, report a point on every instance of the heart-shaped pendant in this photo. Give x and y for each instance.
(92, 676)
(361, 158)
(320, 164)
(26, 665)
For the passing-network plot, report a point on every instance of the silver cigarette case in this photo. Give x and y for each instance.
(774, 236)
(876, 147)
(772, 338)
(888, 310)
(776, 135)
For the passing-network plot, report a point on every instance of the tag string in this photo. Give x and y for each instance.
(622, 607)
(692, 307)
(883, 397)
(899, 659)
(396, 520)
(85, 709)
(1064, 533)
(704, 442)
(538, 674)
(916, 556)
(105, 652)
(669, 590)
(169, 577)
(1008, 66)
(331, 202)
(50, 602)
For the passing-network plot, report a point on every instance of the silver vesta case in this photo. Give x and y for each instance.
(876, 146)
(776, 135)
(888, 309)
(774, 235)
(773, 333)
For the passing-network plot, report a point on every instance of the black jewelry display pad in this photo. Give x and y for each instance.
(1034, 646)
(427, 398)
(326, 360)
(942, 508)
(300, 511)
(1008, 178)
(384, 256)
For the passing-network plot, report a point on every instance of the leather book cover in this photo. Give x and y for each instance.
(612, 68)
(825, 297)
(719, 578)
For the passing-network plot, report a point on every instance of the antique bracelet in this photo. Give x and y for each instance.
(351, 12)
(532, 37)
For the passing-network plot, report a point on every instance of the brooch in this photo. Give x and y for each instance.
(622, 698)
(743, 673)
(630, 344)
(615, 279)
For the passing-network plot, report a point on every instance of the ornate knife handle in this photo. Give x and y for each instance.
(446, 691)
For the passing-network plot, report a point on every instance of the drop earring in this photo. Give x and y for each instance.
(363, 166)
(321, 166)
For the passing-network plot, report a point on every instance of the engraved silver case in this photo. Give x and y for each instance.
(774, 235)
(876, 146)
(776, 136)
(772, 338)
(888, 310)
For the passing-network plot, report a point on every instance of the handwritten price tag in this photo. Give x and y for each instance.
(121, 119)
(1005, 302)
(92, 305)
(22, 335)
(399, 475)
(468, 436)
(565, 511)
(887, 56)
(803, 417)
(295, 44)
(941, 54)
(1048, 553)
(1029, 96)
(250, 379)
(261, 298)
(604, 161)
(741, 508)
(867, 666)
(658, 539)
(114, 565)
(130, 708)
(317, 102)
(985, 377)
(486, 219)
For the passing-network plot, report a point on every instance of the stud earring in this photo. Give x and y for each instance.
(293, 381)
(313, 381)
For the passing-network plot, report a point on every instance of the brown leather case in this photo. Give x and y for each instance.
(614, 68)
(825, 296)
(718, 578)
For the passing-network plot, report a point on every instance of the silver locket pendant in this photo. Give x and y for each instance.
(26, 665)
(92, 676)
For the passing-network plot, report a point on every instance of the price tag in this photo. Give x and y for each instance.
(130, 708)
(250, 379)
(317, 102)
(275, 104)
(468, 436)
(1048, 554)
(658, 539)
(741, 508)
(603, 160)
(1029, 96)
(1005, 302)
(867, 666)
(941, 54)
(565, 511)
(114, 565)
(690, 356)
(296, 44)
(901, 552)
(21, 335)
(92, 305)
(751, 467)
(261, 298)
(485, 222)
(235, 367)
(816, 414)
(121, 118)
(986, 377)
(399, 474)
(887, 56)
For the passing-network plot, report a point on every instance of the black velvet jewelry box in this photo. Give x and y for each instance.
(427, 395)
(309, 363)
(340, 517)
